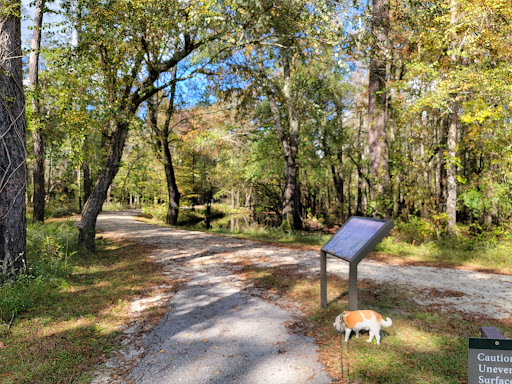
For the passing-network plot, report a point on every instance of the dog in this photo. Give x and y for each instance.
(357, 321)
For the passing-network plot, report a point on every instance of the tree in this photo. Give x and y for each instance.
(37, 135)
(155, 39)
(377, 133)
(162, 133)
(287, 39)
(12, 143)
(288, 129)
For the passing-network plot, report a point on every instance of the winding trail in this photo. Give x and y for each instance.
(217, 329)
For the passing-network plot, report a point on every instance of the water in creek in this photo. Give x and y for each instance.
(231, 223)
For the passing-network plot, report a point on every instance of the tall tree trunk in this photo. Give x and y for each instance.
(451, 139)
(208, 215)
(37, 135)
(451, 172)
(163, 136)
(86, 169)
(377, 135)
(424, 180)
(290, 146)
(248, 197)
(337, 178)
(290, 166)
(337, 174)
(13, 223)
(92, 207)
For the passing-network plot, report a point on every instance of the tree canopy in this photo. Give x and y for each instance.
(305, 112)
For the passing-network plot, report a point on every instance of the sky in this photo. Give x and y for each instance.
(27, 20)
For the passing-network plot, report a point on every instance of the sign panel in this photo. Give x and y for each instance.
(357, 237)
(490, 361)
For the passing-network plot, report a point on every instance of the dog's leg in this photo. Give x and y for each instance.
(375, 332)
(371, 337)
(377, 336)
(347, 334)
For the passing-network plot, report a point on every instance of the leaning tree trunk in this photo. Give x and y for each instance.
(12, 145)
(172, 187)
(377, 134)
(37, 135)
(92, 207)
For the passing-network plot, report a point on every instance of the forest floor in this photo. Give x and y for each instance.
(219, 329)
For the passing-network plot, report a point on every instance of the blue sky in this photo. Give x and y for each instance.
(27, 20)
(191, 91)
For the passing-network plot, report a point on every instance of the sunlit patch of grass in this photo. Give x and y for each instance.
(479, 254)
(63, 338)
(422, 345)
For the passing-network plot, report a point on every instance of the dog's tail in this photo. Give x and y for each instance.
(386, 323)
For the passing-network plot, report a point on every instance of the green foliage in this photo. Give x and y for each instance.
(474, 201)
(237, 153)
(10, 8)
(440, 222)
(158, 212)
(416, 230)
(49, 248)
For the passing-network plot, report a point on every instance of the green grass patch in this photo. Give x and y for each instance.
(481, 254)
(424, 344)
(61, 319)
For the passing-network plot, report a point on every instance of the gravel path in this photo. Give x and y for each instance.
(215, 330)
(218, 331)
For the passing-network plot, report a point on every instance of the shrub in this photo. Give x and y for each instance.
(49, 247)
(156, 211)
(416, 230)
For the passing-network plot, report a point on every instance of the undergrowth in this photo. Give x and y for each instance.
(60, 319)
(49, 249)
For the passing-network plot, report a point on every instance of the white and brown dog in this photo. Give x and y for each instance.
(358, 321)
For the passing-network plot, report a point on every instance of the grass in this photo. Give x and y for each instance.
(477, 254)
(424, 344)
(72, 324)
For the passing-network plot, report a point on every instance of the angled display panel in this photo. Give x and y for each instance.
(357, 238)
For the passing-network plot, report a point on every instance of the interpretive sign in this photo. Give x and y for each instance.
(353, 241)
(490, 361)
(357, 238)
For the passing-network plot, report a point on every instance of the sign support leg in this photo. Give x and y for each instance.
(352, 287)
(323, 279)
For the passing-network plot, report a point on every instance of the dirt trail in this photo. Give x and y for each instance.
(216, 332)
(215, 329)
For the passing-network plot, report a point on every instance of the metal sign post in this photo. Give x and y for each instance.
(352, 287)
(353, 241)
(323, 279)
